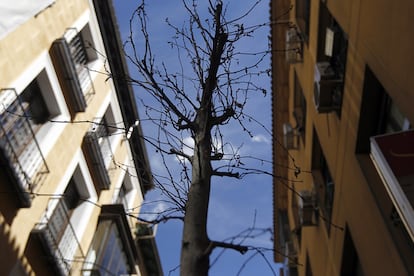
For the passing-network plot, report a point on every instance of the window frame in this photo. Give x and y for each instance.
(335, 63)
(299, 107)
(42, 70)
(303, 14)
(78, 170)
(134, 198)
(375, 107)
(323, 182)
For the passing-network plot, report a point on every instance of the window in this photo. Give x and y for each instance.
(378, 115)
(127, 190)
(24, 117)
(36, 107)
(71, 195)
(308, 271)
(105, 131)
(74, 55)
(81, 46)
(381, 120)
(299, 111)
(297, 231)
(83, 53)
(284, 229)
(26, 133)
(303, 16)
(113, 250)
(99, 144)
(323, 181)
(106, 254)
(125, 193)
(350, 261)
(65, 219)
(331, 63)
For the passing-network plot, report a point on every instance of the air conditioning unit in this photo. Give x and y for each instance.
(290, 137)
(293, 48)
(308, 211)
(327, 88)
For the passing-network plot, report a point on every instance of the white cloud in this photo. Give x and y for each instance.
(260, 139)
(151, 210)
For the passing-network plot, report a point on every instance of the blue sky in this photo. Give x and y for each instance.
(235, 204)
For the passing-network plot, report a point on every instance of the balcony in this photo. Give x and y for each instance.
(57, 236)
(393, 157)
(20, 153)
(70, 57)
(96, 147)
(147, 249)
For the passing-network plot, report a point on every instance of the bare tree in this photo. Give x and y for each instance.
(209, 90)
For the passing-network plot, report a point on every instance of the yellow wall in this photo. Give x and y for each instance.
(380, 35)
(17, 52)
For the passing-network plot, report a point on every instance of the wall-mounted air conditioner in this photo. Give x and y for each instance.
(294, 44)
(308, 211)
(327, 88)
(290, 137)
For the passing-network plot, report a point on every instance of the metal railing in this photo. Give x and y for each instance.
(79, 56)
(20, 151)
(97, 153)
(58, 235)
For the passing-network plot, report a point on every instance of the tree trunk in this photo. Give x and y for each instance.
(196, 248)
(195, 241)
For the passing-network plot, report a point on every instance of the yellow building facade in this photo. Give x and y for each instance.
(343, 139)
(73, 160)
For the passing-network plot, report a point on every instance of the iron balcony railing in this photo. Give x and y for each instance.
(69, 55)
(97, 149)
(20, 152)
(58, 236)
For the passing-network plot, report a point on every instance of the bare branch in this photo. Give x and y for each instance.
(228, 174)
(214, 244)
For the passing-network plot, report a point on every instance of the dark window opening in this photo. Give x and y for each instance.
(308, 271)
(103, 129)
(299, 111)
(82, 47)
(332, 42)
(303, 17)
(123, 195)
(71, 195)
(36, 107)
(323, 181)
(378, 115)
(350, 261)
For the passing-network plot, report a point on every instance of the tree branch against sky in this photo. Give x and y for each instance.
(201, 83)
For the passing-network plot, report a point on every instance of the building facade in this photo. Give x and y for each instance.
(74, 168)
(343, 139)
